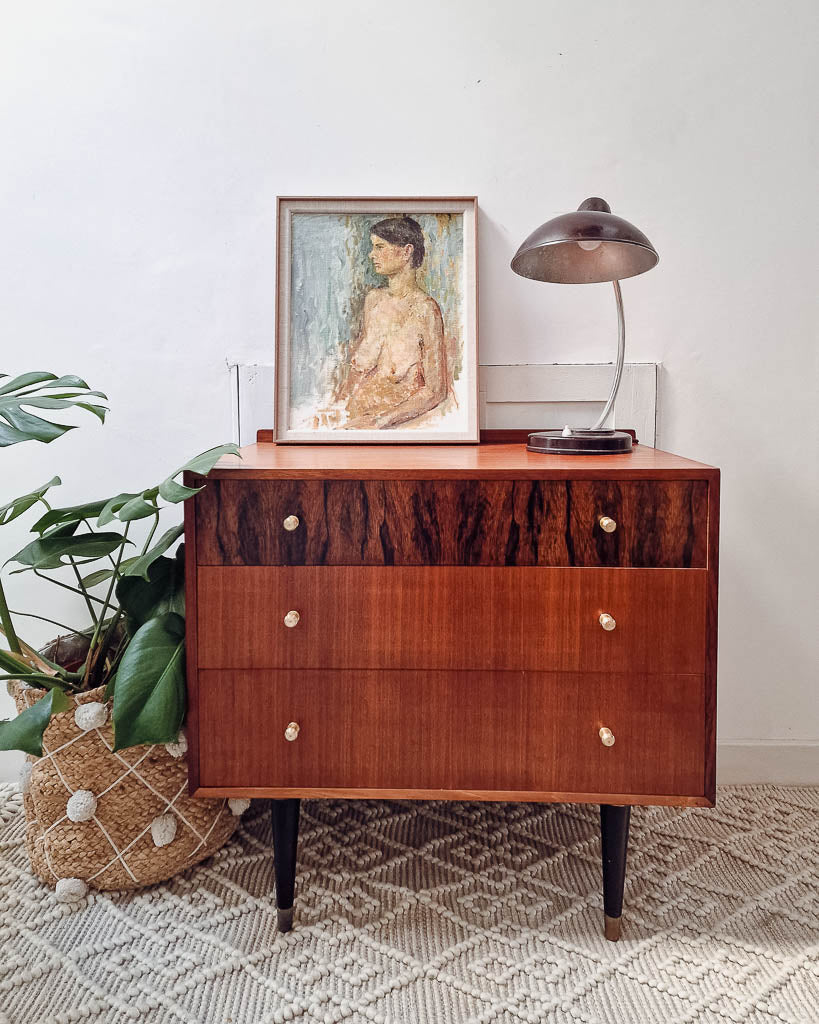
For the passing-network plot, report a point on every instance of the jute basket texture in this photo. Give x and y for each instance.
(101, 819)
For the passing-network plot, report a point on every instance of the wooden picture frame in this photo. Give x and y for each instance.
(376, 330)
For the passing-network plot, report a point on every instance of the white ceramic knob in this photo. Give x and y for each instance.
(292, 731)
(606, 737)
(291, 523)
(607, 621)
(607, 524)
(292, 619)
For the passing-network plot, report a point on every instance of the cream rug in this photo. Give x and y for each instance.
(437, 913)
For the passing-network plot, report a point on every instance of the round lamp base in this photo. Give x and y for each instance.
(580, 442)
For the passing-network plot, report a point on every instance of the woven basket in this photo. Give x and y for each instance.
(133, 821)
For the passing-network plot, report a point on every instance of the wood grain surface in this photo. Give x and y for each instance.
(452, 618)
(476, 731)
(432, 461)
(454, 522)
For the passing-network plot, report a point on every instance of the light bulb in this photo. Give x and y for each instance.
(589, 246)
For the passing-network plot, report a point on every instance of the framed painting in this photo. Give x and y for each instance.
(376, 320)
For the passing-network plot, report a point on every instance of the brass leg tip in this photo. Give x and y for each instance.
(612, 928)
(284, 919)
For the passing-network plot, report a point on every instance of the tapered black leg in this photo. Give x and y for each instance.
(285, 814)
(614, 823)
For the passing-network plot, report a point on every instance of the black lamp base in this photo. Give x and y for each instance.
(580, 442)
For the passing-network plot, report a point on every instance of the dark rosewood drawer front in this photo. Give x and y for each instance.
(451, 618)
(658, 523)
(526, 731)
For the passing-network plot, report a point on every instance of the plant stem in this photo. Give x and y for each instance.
(41, 679)
(91, 530)
(85, 594)
(74, 590)
(92, 653)
(151, 533)
(43, 618)
(8, 625)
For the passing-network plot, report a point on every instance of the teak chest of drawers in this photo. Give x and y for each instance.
(453, 622)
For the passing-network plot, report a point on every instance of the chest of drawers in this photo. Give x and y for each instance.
(453, 622)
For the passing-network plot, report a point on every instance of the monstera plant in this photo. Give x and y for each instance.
(133, 593)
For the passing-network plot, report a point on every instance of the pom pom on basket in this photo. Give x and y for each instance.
(101, 819)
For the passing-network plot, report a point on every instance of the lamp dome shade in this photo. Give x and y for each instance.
(612, 249)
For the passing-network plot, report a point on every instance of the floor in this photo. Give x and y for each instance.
(440, 913)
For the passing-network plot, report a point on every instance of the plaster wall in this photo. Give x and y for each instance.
(144, 145)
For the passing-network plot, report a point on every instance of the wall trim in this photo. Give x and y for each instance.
(511, 396)
(779, 762)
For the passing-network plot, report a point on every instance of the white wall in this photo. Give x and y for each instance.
(144, 145)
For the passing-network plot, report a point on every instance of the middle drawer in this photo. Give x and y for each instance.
(451, 617)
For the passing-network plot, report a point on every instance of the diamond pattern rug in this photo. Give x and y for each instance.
(440, 913)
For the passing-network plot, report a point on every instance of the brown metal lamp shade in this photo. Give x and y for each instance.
(586, 247)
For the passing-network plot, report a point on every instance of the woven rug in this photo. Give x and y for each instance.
(440, 913)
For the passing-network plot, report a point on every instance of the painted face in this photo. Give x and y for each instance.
(388, 258)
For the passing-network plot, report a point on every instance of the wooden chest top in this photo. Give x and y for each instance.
(441, 462)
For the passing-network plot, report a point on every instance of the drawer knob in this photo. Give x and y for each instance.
(607, 621)
(291, 523)
(607, 524)
(606, 737)
(292, 732)
(292, 619)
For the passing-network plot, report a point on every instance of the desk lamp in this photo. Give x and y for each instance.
(585, 247)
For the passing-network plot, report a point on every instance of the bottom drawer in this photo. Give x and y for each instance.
(478, 731)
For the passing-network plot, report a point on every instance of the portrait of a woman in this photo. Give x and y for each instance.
(377, 320)
(398, 368)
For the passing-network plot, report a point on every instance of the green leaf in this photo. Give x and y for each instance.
(163, 591)
(17, 506)
(137, 508)
(174, 492)
(112, 506)
(11, 662)
(201, 464)
(31, 391)
(71, 514)
(149, 698)
(49, 552)
(25, 732)
(140, 566)
(97, 410)
(101, 575)
(25, 380)
(93, 579)
(36, 427)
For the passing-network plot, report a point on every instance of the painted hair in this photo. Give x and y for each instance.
(402, 231)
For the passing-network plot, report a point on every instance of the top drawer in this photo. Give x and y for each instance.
(657, 523)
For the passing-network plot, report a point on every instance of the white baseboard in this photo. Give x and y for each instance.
(740, 762)
(10, 761)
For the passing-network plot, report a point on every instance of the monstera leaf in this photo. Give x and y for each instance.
(25, 732)
(41, 390)
(149, 687)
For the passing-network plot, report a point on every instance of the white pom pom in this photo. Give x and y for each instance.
(70, 890)
(82, 806)
(163, 829)
(91, 716)
(24, 776)
(238, 806)
(180, 748)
